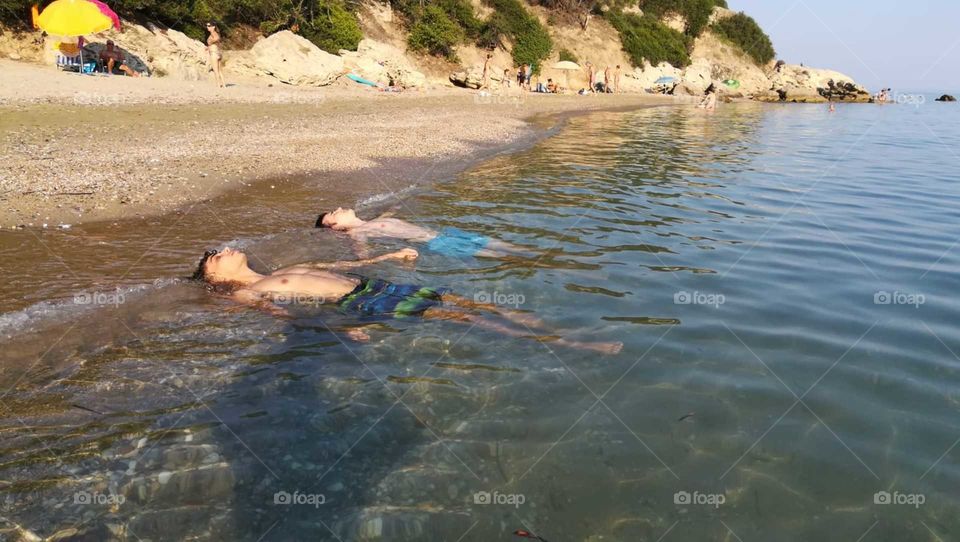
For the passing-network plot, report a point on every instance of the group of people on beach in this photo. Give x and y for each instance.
(610, 83)
(525, 73)
(227, 273)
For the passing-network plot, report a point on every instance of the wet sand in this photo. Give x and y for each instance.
(67, 164)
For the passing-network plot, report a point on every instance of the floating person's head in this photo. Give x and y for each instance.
(221, 266)
(340, 219)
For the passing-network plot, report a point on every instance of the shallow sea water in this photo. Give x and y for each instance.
(783, 281)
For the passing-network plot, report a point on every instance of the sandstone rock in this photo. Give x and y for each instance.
(468, 79)
(295, 60)
(685, 89)
(946, 98)
(160, 51)
(647, 76)
(716, 60)
(383, 63)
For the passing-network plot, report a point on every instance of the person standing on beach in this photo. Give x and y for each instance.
(528, 76)
(215, 56)
(616, 79)
(486, 72)
(591, 77)
(607, 80)
(506, 77)
(521, 75)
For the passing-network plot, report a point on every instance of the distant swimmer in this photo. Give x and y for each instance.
(709, 102)
(448, 241)
(833, 108)
(227, 273)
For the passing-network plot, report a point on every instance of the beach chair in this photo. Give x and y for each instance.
(69, 62)
(70, 58)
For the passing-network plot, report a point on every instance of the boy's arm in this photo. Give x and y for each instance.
(257, 301)
(406, 254)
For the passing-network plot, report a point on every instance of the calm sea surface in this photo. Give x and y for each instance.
(784, 281)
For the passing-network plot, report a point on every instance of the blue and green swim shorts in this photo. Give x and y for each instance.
(380, 298)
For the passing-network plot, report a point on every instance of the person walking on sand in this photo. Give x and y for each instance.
(608, 80)
(485, 83)
(528, 76)
(521, 75)
(616, 79)
(227, 273)
(214, 54)
(506, 77)
(591, 77)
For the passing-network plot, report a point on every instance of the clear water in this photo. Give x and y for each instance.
(783, 280)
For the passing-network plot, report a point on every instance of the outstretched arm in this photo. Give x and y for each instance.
(255, 300)
(406, 254)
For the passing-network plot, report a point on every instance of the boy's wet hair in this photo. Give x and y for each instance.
(201, 273)
(320, 223)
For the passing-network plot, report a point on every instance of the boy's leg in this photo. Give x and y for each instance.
(476, 320)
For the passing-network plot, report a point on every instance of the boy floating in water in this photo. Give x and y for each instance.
(227, 273)
(449, 241)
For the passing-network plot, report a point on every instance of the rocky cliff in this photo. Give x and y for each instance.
(382, 57)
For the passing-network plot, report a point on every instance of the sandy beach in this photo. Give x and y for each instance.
(80, 149)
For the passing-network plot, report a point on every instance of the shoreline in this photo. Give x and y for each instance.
(79, 164)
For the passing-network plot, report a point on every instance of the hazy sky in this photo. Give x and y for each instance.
(908, 45)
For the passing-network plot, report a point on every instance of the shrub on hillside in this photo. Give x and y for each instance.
(646, 38)
(333, 28)
(328, 23)
(531, 42)
(744, 32)
(695, 12)
(435, 33)
(565, 54)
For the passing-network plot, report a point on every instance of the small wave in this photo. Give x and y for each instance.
(48, 312)
(376, 199)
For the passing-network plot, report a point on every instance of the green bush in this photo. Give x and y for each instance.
(531, 42)
(696, 12)
(333, 28)
(436, 33)
(646, 38)
(745, 33)
(565, 54)
(328, 23)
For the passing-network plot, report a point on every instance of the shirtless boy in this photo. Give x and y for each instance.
(449, 241)
(227, 273)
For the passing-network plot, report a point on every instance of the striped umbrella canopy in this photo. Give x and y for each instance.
(76, 18)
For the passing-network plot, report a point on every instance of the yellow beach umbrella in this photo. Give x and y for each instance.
(75, 18)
